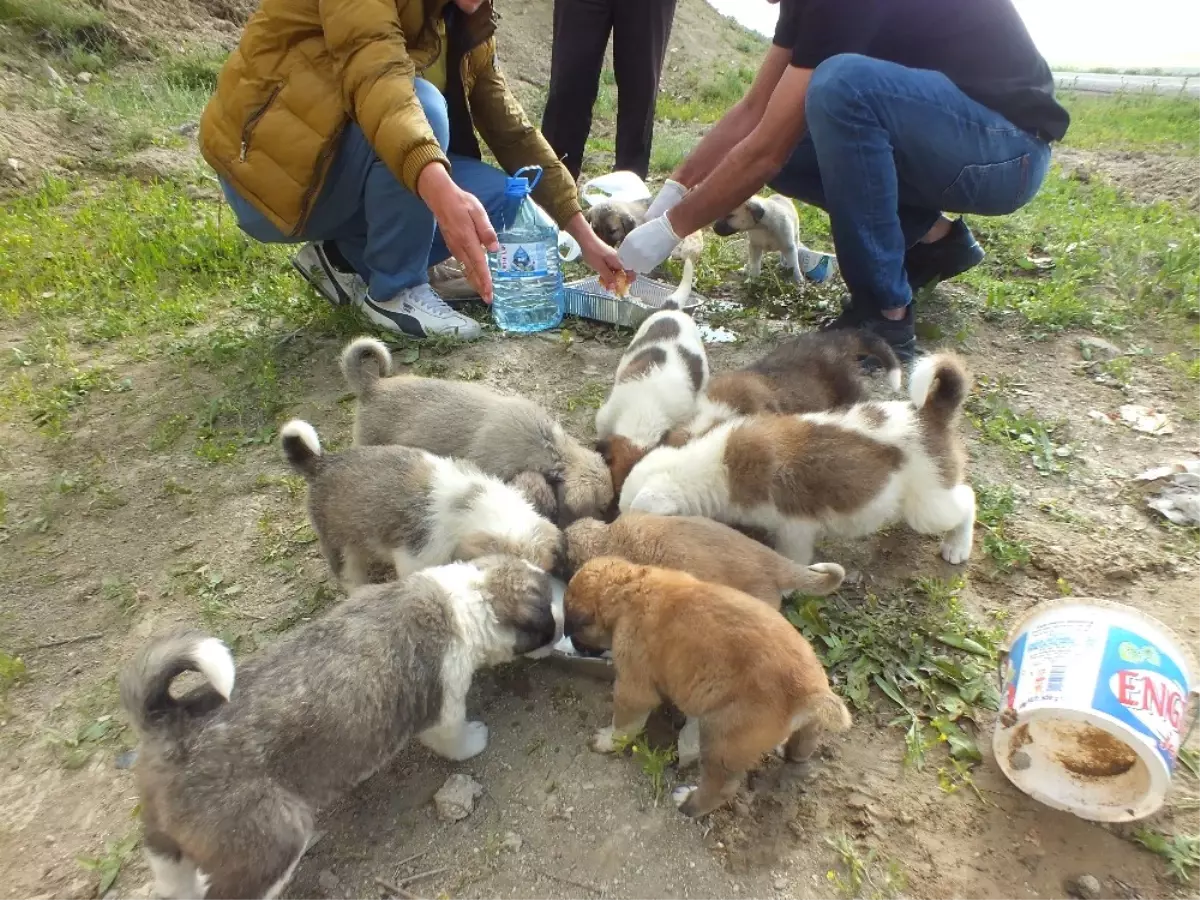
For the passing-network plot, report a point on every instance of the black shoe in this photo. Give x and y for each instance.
(944, 259)
(899, 334)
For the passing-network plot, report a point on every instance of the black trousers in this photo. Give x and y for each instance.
(640, 30)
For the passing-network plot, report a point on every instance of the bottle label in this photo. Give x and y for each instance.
(522, 260)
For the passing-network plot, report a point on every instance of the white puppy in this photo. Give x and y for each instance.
(771, 225)
(846, 472)
(663, 370)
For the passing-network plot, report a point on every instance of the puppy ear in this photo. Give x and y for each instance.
(628, 223)
(589, 216)
(757, 209)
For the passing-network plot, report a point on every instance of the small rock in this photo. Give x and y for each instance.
(1086, 887)
(84, 77)
(781, 884)
(54, 78)
(512, 842)
(1020, 761)
(187, 129)
(455, 800)
(80, 888)
(125, 760)
(329, 884)
(1097, 349)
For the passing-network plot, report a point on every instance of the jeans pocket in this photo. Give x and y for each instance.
(993, 189)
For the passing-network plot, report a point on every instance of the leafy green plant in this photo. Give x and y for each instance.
(1020, 432)
(76, 750)
(108, 865)
(994, 504)
(1181, 852)
(863, 870)
(652, 761)
(916, 655)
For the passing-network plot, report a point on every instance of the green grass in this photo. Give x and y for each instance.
(916, 656)
(108, 864)
(1133, 122)
(76, 33)
(705, 101)
(864, 871)
(1020, 432)
(12, 672)
(1112, 264)
(653, 761)
(1180, 852)
(994, 506)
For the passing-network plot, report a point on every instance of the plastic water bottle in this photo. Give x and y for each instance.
(526, 277)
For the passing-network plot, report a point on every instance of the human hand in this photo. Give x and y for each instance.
(648, 245)
(672, 192)
(606, 262)
(464, 225)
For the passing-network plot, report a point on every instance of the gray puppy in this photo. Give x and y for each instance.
(612, 220)
(411, 509)
(504, 436)
(230, 783)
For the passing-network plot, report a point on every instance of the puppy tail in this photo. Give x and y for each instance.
(873, 346)
(680, 295)
(146, 682)
(818, 579)
(938, 388)
(826, 710)
(357, 358)
(301, 447)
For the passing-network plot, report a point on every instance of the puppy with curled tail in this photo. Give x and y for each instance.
(505, 436)
(232, 774)
(844, 472)
(676, 638)
(411, 509)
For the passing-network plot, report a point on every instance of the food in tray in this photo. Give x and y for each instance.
(621, 285)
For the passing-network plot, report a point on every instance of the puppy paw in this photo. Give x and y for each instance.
(603, 741)
(688, 747)
(956, 552)
(471, 742)
(681, 794)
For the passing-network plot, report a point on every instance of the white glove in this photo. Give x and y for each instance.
(672, 192)
(648, 246)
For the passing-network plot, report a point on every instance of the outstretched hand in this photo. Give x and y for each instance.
(464, 224)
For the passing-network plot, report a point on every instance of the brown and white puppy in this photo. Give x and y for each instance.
(701, 547)
(663, 370)
(720, 656)
(412, 509)
(846, 472)
(503, 435)
(771, 225)
(810, 372)
(612, 220)
(231, 781)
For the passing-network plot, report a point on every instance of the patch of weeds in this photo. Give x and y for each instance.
(12, 672)
(670, 150)
(120, 594)
(108, 864)
(282, 540)
(653, 761)
(1190, 760)
(196, 70)
(74, 30)
(1181, 852)
(168, 432)
(76, 750)
(212, 592)
(865, 872)
(1020, 432)
(589, 396)
(994, 504)
(917, 652)
(307, 608)
(704, 101)
(1119, 370)
(293, 485)
(49, 404)
(1132, 122)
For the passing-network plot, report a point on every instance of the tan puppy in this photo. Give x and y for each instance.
(701, 547)
(720, 656)
(612, 220)
(811, 372)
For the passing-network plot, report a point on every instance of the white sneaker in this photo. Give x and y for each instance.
(336, 286)
(419, 312)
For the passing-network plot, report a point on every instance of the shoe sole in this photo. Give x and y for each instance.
(340, 298)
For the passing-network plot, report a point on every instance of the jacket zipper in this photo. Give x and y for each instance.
(317, 179)
(248, 128)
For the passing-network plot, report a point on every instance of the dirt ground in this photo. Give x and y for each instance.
(114, 541)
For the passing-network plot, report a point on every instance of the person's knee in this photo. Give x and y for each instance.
(436, 111)
(839, 80)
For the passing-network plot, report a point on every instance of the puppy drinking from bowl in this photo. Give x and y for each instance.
(721, 657)
(509, 437)
(847, 472)
(771, 225)
(231, 777)
(659, 376)
(411, 509)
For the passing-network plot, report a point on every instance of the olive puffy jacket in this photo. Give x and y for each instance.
(304, 68)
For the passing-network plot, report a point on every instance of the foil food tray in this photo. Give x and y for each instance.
(588, 300)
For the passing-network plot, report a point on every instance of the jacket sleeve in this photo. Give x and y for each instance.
(367, 45)
(506, 130)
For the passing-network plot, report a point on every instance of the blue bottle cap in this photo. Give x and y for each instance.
(521, 183)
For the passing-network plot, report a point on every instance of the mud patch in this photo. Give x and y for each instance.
(1148, 177)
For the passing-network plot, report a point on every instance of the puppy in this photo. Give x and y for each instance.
(701, 547)
(663, 370)
(810, 372)
(411, 509)
(771, 225)
(847, 472)
(612, 220)
(721, 657)
(230, 783)
(504, 436)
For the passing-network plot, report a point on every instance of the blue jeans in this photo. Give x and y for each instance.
(384, 231)
(889, 149)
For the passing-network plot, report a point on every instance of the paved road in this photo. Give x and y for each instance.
(1094, 82)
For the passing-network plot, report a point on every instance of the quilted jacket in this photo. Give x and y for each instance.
(304, 68)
